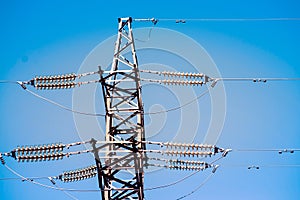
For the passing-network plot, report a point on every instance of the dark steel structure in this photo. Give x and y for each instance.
(121, 176)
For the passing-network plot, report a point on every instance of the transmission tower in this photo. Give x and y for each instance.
(121, 158)
(124, 121)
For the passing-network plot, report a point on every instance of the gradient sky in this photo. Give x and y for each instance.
(52, 37)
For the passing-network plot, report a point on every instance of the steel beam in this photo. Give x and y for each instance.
(124, 122)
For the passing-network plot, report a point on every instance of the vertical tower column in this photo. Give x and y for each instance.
(122, 174)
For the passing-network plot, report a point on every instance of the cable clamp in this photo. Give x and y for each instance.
(22, 84)
(2, 159)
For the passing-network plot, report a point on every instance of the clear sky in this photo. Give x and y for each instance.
(52, 37)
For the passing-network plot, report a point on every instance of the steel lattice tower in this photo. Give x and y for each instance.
(125, 155)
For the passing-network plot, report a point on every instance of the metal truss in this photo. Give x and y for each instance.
(121, 175)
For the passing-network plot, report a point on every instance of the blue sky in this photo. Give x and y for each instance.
(53, 37)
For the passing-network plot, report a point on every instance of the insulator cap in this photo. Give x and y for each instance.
(189, 162)
(182, 74)
(53, 86)
(55, 78)
(190, 153)
(185, 167)
(182, 82)
(190, 146)
(79, 174)
(40, 157)
(2, 159)
(40, 149)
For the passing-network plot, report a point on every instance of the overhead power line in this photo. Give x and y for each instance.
(280, 151)
(44, 185)
(32, 180)
(100, 114)
(197, 188)
(125, 148)
(62, 106)
(61, 81)
(18, 178)
(244, 19)
(258, 166)
(257, 79)
(31, 151)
